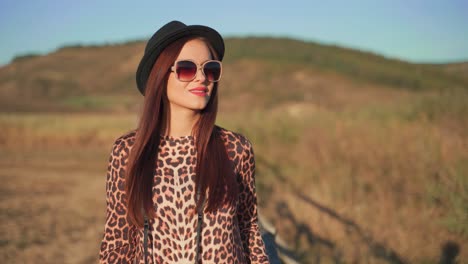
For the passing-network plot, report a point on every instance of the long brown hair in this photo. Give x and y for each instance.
(214, 169)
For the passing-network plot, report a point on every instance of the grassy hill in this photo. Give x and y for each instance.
(102, 77)
(360, 159)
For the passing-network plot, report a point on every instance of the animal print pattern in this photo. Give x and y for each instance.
(229, 235)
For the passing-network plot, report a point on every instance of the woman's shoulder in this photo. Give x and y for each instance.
(124, 141)
(234, 140)
(238, 147)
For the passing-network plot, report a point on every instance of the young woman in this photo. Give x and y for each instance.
(179, 188)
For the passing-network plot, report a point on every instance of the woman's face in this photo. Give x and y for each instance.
(193, 95)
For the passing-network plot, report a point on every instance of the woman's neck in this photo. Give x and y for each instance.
(181, 122)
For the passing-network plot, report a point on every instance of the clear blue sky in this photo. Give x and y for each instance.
(413, 30)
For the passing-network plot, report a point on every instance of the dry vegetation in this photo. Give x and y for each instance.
(378, 185)
(349, 171)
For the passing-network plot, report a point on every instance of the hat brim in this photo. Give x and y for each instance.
(149, 58)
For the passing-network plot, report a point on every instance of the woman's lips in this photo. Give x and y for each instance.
(199, 91)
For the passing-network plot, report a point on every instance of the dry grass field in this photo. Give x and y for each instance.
(53, 177)
(366, 185)
(51, 207)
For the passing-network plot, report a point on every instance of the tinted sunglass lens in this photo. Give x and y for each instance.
(212, 71)
(186, 70)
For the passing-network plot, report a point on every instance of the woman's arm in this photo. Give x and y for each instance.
(118, 243)
(254, 248)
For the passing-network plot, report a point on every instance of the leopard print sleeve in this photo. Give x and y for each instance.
(254, 248)
(119, 237)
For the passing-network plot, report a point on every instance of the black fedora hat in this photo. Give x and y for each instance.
(167, 34)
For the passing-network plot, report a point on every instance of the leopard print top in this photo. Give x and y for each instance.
(229, 235)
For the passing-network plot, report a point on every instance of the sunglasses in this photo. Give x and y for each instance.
(186, 70)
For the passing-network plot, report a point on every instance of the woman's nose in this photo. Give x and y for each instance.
(200, 76)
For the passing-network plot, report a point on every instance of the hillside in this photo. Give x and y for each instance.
(460, 69)
(102, 77)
